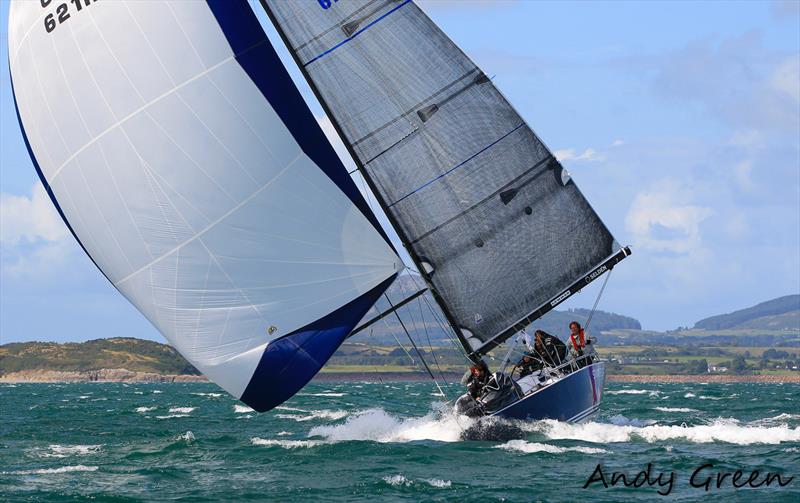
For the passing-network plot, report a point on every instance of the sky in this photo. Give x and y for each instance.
(679, 121)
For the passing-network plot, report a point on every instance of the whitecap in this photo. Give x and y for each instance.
(676, 409)
(46, 471)
(704, 397)
(377, 425)
(397, 480)
(188, 437)
(282, 433)
(441, 484)
(171, 416)
(145, 409)
(157, 391)
(315, 414)
(286, 444)
(283, 407)
(720, 430)
(242, 409)
(628, 392)
(401, 480)
(323, 394)
(212, 395)
(182, 410)
(531, 447)
(689, 395)
(62, 451)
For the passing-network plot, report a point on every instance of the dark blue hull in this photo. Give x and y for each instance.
(572, 399)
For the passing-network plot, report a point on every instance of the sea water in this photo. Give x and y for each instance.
(393, 441)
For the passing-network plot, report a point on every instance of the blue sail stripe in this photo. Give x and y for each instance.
(473, 156)
(354, 35)
(255, 54)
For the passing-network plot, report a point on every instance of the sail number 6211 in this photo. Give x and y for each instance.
(62, 12)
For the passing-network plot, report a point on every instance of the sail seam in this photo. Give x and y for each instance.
(354, 35)
(462, 163)
(212, 224)
(487, 198)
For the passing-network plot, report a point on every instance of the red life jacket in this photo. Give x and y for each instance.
(578, 344)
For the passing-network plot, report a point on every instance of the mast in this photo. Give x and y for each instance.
(371, 183)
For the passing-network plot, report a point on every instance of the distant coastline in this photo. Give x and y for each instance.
(127, 376)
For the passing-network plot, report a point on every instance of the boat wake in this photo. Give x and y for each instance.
(720, 430)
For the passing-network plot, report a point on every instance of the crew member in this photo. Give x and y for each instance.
(476, 379)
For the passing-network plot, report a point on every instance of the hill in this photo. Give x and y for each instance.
(782, 313)
(135, 355)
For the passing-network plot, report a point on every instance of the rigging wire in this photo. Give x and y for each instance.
(414, 344)
(596, 301)
(430, 345)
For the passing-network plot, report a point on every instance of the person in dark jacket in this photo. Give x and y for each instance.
(549, 349)
(476, 379)
(527, 366)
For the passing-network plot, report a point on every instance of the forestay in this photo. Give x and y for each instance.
(186, 164)
(489, 215)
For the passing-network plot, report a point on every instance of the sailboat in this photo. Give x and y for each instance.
(183, 159)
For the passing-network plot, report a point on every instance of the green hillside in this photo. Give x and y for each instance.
(776, 314)
(136, 355)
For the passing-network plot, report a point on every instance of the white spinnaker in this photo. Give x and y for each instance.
(182, 182)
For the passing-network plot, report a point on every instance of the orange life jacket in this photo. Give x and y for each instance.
(581, 342)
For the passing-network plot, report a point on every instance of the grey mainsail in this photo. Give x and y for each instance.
(492, 220)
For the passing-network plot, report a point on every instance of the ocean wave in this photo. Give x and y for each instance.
(46, 471)
(531, 447)
(704, 397)
(283, 407)
(182, 410)
(242, 409)
(188, 437)
(145, 409)
(628, 392)
(63, 451)
(727, 431)
(327, 393)
(401, 480)
(315, 414)
(379, 426)
(286, 444)
(212, 395)
(689, 395)
(676, 409)
(172, 416)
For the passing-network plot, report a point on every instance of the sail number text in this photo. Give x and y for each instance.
(62, 12)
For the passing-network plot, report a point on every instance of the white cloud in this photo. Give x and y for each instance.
(739, 80)
(786, 79)
(662, 219)
(617, 143)
(570, 154)
(32, 219)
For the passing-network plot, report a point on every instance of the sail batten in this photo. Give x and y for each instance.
(493, 222)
